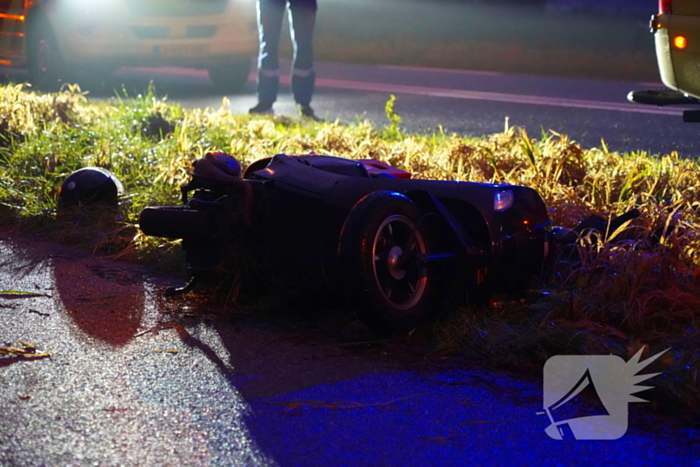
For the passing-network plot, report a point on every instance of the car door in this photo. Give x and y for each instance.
(12, 29)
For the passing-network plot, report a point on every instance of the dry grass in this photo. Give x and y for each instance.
(631, 292)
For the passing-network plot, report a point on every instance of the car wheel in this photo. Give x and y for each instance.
(382, 240)
(660, 97)
(175, 222)
(230, 77)
(47, 69)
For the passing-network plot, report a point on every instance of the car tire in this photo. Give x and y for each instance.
(175, 222)
(388, 296)
(660, 97)
(45, 65)
(230, 77)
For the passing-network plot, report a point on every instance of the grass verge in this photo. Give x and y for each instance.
(643, 290)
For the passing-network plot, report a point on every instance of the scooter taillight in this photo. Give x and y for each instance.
(665, 6)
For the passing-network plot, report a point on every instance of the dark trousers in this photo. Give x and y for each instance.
(302, 18)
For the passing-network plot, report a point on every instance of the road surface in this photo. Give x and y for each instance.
(135, 380)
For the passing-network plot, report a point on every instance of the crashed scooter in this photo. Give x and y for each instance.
(399, 250)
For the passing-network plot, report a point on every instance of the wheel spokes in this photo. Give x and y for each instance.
(400, 281)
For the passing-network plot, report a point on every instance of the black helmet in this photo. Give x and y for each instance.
(91, 186)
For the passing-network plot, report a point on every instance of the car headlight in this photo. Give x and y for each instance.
(502, 200)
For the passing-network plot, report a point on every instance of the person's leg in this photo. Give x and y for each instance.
(302, 18)
(270, 16)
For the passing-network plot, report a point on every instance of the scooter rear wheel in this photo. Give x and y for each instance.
(175, 222)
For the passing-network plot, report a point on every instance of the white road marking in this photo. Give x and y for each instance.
(454, 93)
(439, 70)
(495, 97)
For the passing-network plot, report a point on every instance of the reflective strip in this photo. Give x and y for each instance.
(270, 73)
(303, 73)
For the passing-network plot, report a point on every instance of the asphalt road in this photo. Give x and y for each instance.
(470, 103)
(136, 380)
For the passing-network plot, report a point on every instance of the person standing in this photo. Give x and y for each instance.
(302, 19)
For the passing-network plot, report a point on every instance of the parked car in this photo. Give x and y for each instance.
(676, 29)
(55, 39)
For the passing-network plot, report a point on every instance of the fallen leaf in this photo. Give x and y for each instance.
(38, 312)
(36, 355)
(19, 294)
(29, 351)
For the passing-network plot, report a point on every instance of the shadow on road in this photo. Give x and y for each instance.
(106, 302)
(274, 350)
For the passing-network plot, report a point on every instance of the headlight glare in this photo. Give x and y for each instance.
(502, 200)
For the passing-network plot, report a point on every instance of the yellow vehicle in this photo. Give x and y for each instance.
(58, 39)
(676, 30)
